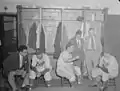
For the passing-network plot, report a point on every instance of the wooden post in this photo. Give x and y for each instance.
(18, 22)
(105, 12)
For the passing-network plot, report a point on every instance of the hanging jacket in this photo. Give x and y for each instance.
(32, 36)
(42, 40)
(21, 36)
(57, 42)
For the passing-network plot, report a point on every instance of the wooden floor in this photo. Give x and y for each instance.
(56, 86)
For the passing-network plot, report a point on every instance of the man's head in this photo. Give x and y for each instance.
(39, 54)
(106, 58)
(102, 54)
(80, 18)
(23, 50)
(78, 34)
(70, 47)
(91, 30)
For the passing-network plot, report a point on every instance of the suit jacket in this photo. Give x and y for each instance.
(12, 63)
(77, 51)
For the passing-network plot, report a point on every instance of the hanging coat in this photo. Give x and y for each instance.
(58, 41)
(21, 36)
(42, 40)
(64, 40)
(32, 36)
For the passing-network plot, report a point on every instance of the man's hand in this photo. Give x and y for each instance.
(104, 69)
(41, 64)
(24, 74)
(19, 72)
(73, 59)
(33, 68)
(77, 57)
(97, 66)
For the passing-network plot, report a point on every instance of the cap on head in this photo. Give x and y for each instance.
(91, 30)
(79, 32)
(69, 44)
(38, 51)
(80, 18)
(102, 53)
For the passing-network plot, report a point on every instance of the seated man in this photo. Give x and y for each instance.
(41, 66)
(65, 67)
(16, 64)
(107, 69)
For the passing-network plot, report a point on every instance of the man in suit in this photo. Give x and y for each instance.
(77, 41)
(16, 64)
(90, 50)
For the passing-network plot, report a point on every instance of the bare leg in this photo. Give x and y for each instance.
(78, 73)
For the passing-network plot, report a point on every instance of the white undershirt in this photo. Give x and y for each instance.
(78, 43)
(21, 59)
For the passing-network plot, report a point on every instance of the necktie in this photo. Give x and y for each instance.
(79, 43)
(93, 43)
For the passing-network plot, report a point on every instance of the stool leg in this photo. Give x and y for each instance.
(62, 81)
(45, 82)
(115, 87)
(69, 83)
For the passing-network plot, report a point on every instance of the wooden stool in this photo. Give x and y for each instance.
(112, 82)
(38, 79)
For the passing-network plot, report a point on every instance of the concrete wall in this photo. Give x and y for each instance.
(112, 35)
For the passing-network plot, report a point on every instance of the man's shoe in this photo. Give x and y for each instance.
(90, 78)
(93, 85)
(79, 82)
(48, 85)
